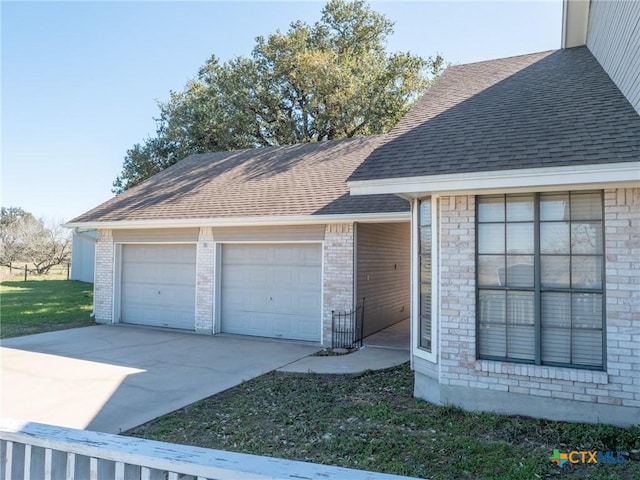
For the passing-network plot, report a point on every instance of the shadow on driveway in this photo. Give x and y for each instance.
(111, 378)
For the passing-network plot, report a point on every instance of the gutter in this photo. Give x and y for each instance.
(243, 221)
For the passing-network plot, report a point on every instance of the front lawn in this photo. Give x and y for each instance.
(372, 422)
(39, 306)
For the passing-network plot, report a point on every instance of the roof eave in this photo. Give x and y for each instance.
(245, 221)
(608, 175)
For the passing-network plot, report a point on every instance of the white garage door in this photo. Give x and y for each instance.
(272, 290)
(158, 285)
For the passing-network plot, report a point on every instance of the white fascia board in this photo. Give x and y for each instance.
(530, 179)
(246, 221)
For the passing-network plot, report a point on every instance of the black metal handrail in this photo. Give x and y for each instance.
(348, 327)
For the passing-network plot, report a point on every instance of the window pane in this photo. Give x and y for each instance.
(556, 345)
(425, 268)
(491, 270)
(520, 308)
(586, 347)
(520, 238)
(556, 310)
(491, 238)
(519, 208)
(554, 206)
(586, 206)
(491, 209)
(425, 240)
(554, 237)
(586, 238)
(425, 300)
(586, 272)
(520, 270)
(587, 310)
(425, 333)
(492, 306)
(425, 212)
(555, 271)
(492, 340)
(521, 342)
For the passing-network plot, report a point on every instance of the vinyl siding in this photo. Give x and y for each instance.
(289, 233)
(156, 235)
(382, 266)
(614, 39)
(83, 256)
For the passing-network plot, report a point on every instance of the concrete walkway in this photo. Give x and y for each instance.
(367, 358)
(112, 378)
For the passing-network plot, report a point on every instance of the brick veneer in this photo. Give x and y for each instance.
(338, 273)
(205, 281)
(459, 369)
(103, 287)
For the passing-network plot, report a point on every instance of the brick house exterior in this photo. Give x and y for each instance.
(524, 175)
(276, 201)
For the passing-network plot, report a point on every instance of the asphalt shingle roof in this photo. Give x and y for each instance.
(546, 109)
(305, 179)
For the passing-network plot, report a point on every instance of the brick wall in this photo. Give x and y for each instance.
(622, 249)
(586, 390)
(457, 290)
(338, 273)
(205, 281)
(103, 286)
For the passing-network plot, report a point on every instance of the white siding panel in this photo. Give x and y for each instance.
(288, 233)
(158, 285)
(614, 39)
(272, 290)
(156, 235)
(383, 273)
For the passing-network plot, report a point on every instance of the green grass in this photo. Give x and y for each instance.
(43, 305)
(372, 422)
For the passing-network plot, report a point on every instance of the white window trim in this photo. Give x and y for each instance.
(431, 356)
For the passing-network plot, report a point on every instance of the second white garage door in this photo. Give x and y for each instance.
(272, 290)
(158, 285)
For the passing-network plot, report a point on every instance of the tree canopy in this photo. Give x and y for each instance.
(333, 79)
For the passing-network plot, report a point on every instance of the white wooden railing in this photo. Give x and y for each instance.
(33, 451)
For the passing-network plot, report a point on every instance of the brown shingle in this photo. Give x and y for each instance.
(546, 109)
(306, 179)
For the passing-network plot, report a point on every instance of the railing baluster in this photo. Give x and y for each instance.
(145, 473)
(8, 461)
(27, 462)
(48, 456)
(93, 468)
(71, 466)
(119, 471)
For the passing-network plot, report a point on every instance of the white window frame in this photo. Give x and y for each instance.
(417, 351)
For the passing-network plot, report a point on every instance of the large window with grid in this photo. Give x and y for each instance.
(540, 277)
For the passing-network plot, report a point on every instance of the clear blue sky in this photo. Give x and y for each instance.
(80, 80)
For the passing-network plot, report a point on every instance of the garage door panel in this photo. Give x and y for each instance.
(158, 285)
(158, 274)
(272, 290)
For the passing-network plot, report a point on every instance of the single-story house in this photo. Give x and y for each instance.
(523, 175)
(265, 242)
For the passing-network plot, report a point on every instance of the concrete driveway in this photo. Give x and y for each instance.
(112, 378)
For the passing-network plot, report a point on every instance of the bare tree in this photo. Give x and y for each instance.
(23, 238)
